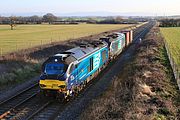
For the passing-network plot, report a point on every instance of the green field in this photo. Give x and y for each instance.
(172, 36)
(27, 36)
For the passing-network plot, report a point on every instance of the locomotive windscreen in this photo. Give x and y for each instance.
(55, 68)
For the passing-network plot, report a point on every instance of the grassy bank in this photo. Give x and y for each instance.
(172, 36)
(145, 90)
(28, 36)
(20, 72)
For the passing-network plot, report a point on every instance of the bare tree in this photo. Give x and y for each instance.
(12, 22)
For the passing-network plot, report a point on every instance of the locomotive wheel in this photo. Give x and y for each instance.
(68, 98)
(81, 87)
(75, 92)
(84, 84)
(88, 79)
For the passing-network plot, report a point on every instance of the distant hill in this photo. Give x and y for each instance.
(175, 17)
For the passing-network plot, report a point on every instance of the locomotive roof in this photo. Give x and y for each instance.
(113, 37)
(79, 53)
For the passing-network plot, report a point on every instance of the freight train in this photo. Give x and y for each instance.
(67, 73)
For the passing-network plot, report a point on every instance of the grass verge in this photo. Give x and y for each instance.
(19, 74)
(172, 35)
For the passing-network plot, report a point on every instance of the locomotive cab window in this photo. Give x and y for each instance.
(55, 69)
(72, 67)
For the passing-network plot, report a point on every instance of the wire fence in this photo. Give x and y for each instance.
(174, 65)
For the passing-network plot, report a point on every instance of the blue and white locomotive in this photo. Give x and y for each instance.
(65, 74)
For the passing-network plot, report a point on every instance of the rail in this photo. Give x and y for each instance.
(39, 110)
(21, 92)
(8, 106)
(13, 109)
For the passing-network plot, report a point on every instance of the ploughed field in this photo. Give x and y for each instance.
(172, 36)
(27, 36)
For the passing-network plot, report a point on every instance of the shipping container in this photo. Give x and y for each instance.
(127, 37)
(131, 35)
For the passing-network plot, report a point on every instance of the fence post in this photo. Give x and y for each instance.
(178, 66)
(16, 45)
(41, 45)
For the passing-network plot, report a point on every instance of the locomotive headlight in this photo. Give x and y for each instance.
(42, 85)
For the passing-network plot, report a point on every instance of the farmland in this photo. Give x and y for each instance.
(27, 36)
(172, 36)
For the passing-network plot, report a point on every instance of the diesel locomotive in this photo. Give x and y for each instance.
(66, 73)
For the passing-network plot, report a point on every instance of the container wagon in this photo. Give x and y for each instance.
(128, 36)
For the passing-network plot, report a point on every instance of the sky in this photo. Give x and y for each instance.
(140, 7)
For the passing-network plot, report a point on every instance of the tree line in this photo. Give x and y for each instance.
(49, 17)
(117, 20)
(52, 19)
(170, 23)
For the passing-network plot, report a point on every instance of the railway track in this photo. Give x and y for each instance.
(25, 105)
(51, 110)
(47, 111)
(8, 106)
